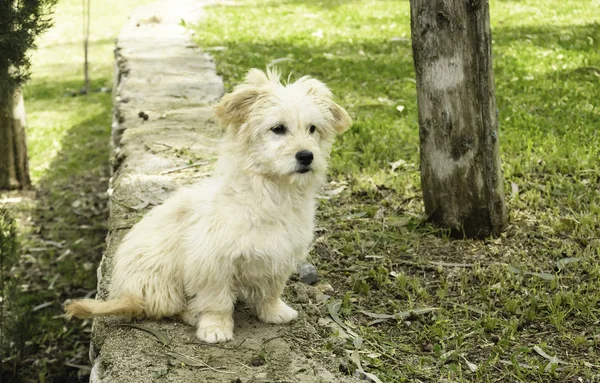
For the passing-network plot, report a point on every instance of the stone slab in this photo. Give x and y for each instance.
(164, 88)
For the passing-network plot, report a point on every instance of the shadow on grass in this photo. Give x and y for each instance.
(64, 245)
(49, 90)
(77, 44)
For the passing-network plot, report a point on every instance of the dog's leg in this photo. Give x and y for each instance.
(214, 310)
(189, 318)
(269, 306)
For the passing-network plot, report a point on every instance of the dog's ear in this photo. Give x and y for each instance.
(314, 87)
(256, 77)
(234, 107)
(341, 119)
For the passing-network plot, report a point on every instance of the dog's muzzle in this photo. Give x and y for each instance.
(303, 169)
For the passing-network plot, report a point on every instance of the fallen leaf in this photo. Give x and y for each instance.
(372, 377)
(450, 264)
(376, 321)
(421, 311)
(333, 308)
(42, 306)
(355, 358)
(164, 339)
(471, 366)
(378, 316)
(544, 276)
(195, 362)
(551, 359)
(562, 263)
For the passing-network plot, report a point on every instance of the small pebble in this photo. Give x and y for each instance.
(258, 361)
(308, 273)
(325, 288)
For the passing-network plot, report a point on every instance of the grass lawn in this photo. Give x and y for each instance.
(522, 307)
(63, 224)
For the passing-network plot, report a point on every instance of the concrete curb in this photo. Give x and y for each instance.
(163, 137)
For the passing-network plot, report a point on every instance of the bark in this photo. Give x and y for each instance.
(461, 174)
(14, 167)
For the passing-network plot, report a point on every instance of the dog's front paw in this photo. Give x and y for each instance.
(214, 334)
(278, 312)
(214, 329)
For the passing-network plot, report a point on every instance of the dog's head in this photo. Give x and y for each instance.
(283, 131)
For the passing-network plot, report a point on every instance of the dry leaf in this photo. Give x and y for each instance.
(164, 339)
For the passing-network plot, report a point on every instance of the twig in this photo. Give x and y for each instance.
(195, 164)
(183, 357)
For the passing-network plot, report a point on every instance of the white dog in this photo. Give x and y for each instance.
(241, 233)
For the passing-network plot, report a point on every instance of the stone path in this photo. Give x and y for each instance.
(164, 137)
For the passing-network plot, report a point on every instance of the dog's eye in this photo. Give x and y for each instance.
(279, 129)
(312, 129)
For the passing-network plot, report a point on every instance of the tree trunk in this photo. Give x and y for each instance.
(461, 174)
(14, 167)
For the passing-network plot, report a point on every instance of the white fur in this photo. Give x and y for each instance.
(240, 234)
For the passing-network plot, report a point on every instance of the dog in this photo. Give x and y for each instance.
(241, 233)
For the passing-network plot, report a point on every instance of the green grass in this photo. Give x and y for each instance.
(63, 225)
(505, 301)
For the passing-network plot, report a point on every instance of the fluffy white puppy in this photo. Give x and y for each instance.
(241, 233)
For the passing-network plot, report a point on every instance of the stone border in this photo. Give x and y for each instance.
(163, 137)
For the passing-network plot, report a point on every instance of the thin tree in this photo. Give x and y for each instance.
(461, 173)
(21, 21)
(85, 6)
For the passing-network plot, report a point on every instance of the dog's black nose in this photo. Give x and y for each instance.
(304, 157)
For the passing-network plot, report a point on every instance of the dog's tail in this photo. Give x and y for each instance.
(125, 305)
